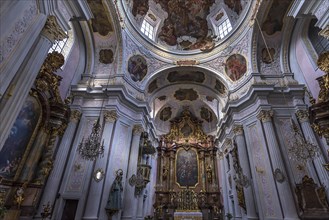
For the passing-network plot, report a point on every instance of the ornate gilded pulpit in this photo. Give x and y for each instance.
(187, 171)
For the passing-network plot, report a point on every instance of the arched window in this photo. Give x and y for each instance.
(319, 43)
(64, 46)
(224, 28)
(147, 29)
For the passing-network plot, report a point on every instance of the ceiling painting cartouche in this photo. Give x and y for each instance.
(186, 94)
(106, 56)
(137, 67)
(101, 22)
(186, 76)
(235, 66)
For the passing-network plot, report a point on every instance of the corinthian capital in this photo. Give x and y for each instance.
(110, 116)
(75, 115)
(302, 115)
(265, 115)
(238, 129)
(137, 130)
(52, 30)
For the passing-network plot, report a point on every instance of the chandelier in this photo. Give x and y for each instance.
(92, 148)
(300, 149)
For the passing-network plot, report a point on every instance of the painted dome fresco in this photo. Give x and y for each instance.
(186, 26)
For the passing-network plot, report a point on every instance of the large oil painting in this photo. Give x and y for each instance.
(137, 67)
(19, 138)
(185, 18)
(187, 173)
(235, 66)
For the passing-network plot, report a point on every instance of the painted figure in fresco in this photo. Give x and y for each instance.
(115, 202)
(137, 68)
(235, 66)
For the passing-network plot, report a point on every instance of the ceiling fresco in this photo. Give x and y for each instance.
(137, 67)
(206, 114)
(186, 94)
(140, 7)
(234, 5)
(101, 22)
(106, 56)
(274, 20)
(236, 66)
(165, 114)
(186, 76)
(153, 86)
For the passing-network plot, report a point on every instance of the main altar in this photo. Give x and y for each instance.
(187, 180)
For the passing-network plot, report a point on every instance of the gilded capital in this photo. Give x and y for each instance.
(228, 143)
(323, 62)
(75, 115)
(52, 30)
(110, 116)
(302, 115)
(325, 32)
(265, 115)
(137, 129)
(238, 129)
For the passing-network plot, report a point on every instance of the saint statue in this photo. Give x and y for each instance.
(114, 203)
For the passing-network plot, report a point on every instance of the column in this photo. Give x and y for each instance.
(227, 145)
(172, 167)
(224, 185)
(202, 169)
(237, 208)
(130, 200)
(319, 161)
(96, 187)
(283, 187)
(51, 189)
(244, 163)
(11, 106)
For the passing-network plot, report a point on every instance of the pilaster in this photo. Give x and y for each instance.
(244, 163)
(278, 169)
(130, 201)
(95, 190)
(318, 161)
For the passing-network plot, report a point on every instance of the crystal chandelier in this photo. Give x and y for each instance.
(92, 148)
(300, 149)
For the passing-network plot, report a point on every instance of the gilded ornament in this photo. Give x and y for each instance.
(302, 115)
(75, 115)
(325, 32)
(110, 116)
(52, 30)
(138, 129)
(265, 115)
(238, 129)
(323, 62)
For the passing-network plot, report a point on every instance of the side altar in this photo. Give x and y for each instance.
(187, 180)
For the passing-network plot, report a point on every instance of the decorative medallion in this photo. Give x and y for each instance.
(210, 98)
(186, 76)
(206, 114)
(153, 86)
(268, 55)
(279, 176)
(137, 67)
(165, 114)
(220, 87)
(186, 94)
(162, 98)
(106, 56)
(235, 66)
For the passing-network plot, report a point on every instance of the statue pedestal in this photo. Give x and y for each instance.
(188, 216)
